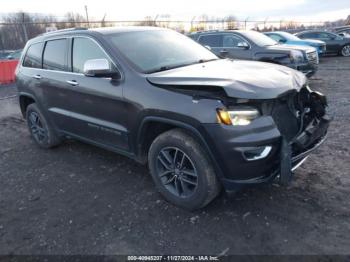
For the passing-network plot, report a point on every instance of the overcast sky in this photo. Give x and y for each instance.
(302, 10)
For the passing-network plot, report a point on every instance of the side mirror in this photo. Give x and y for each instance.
(99, 68)
(207, 47)
(282, 41)
(243, 45)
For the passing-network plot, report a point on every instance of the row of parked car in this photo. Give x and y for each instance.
(10, 54)
(299, 51)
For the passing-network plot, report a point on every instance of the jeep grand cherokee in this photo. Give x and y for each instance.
(201, 123)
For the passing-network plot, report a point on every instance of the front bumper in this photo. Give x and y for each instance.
(284, 157)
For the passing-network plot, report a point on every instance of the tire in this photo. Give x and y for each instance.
(176, 146)
(41, 131)
(345, 51)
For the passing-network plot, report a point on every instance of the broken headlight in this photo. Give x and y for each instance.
(237, 117)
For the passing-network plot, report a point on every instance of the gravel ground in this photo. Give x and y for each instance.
(79, 199)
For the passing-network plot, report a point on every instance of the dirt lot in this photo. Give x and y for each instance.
(79, 199)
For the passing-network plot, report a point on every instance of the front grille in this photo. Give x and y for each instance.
(312, 57)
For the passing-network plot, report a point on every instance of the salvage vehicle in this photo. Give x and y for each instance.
(289, 39)
(154, 95)
(252, 45)
(336, 44)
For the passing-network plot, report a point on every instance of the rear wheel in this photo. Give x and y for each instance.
(42, 132)
(182, 171)
(345, 51)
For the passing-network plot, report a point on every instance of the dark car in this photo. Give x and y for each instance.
(289, 39)
(342, 31)
(252, 45)
(158, 97)
(336, 44)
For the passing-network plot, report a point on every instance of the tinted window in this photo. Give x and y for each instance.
(231, 40)
(211, 40)
(55, 55)
(310, 35)
(85, 49)
(33, 56)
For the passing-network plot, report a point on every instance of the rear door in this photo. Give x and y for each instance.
(214, 41)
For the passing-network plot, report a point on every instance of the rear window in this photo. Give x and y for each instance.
(211, 40)
(55, 54)
(33, 56)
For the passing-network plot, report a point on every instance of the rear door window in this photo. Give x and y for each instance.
(212, 40)
(33, 56)
(55, 55)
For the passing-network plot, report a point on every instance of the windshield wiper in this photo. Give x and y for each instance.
(165, 68)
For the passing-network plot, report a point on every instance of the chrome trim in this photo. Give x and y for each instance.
(299, 164)
(262, 155)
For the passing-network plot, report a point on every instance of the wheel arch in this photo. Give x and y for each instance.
(25, 99)
(144, 140)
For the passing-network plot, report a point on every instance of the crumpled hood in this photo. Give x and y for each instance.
(239, 79)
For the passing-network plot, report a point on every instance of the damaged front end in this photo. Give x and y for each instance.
(302, 121)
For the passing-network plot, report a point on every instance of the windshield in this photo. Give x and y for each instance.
(289, 36)
(259, 38)
(152, 51)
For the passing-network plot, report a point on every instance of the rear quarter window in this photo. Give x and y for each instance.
(33, 56)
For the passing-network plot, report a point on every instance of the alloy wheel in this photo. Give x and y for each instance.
(177, 172)
(346, 50)
(38, 130)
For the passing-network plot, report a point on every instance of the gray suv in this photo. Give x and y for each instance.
(200, 123)
(252, 45)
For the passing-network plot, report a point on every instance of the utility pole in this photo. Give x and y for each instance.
(24, 29)
(245, 23)
(87, 15)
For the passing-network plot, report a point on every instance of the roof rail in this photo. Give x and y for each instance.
(65, 30)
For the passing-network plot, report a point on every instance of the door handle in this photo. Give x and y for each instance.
(223, 53)
(37, 77)
(72, 82)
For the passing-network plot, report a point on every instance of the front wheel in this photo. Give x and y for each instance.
(182, 170)
(345, 51)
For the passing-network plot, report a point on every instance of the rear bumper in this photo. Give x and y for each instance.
(239, 172)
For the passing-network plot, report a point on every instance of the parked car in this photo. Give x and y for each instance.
(158, 97)
(342, 31)
(336, 44)
(15, 55)
(4, 54)
(289, 39)
(251, 45)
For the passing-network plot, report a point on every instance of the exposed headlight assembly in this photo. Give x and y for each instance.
(296, 56)
(237, 117)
